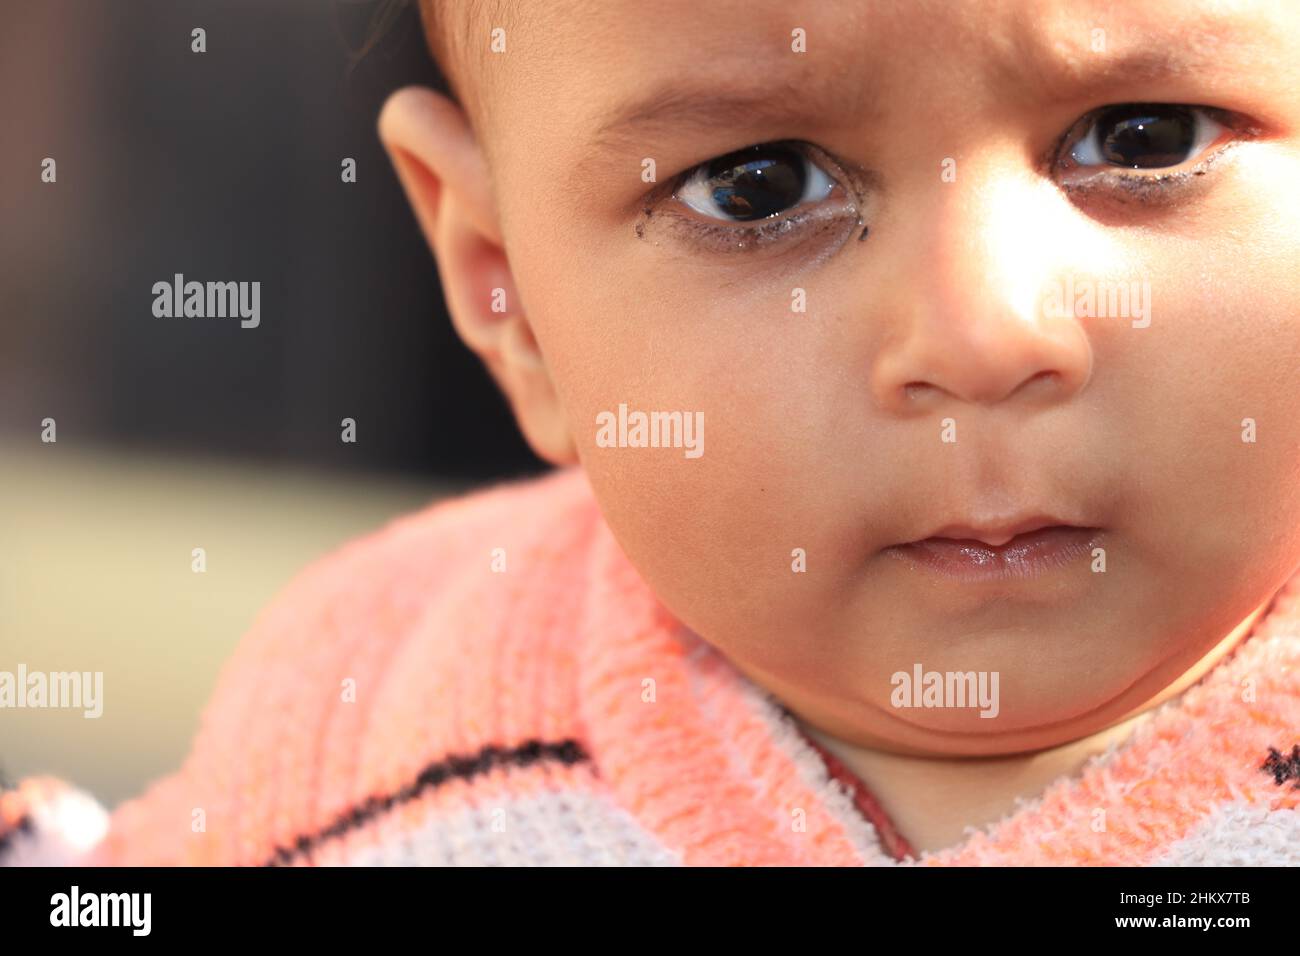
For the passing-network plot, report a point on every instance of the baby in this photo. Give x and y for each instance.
(991, 312)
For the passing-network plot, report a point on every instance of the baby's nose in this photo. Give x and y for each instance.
(969, 321)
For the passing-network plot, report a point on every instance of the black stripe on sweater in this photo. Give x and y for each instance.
(1283, 768)
(466, 767)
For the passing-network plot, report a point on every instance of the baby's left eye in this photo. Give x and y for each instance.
(757, 182)
(1146, 135)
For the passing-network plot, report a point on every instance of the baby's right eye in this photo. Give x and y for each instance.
(757, 182)
(785, 196)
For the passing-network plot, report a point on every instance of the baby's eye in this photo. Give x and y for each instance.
(787, 197)
(1146, 152)
(757, 182)
(1146, 136)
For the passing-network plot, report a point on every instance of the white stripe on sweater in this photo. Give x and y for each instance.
(569, 828)
(1239, 834)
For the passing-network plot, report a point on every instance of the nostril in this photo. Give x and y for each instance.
(914, 390)
(1039, 378)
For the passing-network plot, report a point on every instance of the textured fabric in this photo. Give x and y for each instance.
(490, 682)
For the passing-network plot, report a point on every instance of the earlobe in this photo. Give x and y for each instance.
(532, 396)
(446, 179)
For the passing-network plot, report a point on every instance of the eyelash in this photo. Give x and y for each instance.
(1104, 181)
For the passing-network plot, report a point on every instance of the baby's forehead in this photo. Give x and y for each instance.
(616, 56)
(597, 21)
(605, 44)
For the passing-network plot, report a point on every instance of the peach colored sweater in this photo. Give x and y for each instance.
(408, 700)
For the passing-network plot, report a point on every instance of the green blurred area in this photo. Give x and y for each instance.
(96, 575)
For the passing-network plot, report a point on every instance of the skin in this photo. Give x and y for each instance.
(824, 428)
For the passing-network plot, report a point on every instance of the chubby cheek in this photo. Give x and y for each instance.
(1221, 440)
(716, 529)
(1248, 355)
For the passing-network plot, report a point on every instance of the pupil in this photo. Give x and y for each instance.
(1146, 138)
(757, 182)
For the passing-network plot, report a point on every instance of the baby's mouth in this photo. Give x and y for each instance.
(1020, 549)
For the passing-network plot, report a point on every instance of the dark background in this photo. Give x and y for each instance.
(225, 166)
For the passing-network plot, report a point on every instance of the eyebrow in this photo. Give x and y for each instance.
(1049, 81)
(1047, 72)
(692, 105)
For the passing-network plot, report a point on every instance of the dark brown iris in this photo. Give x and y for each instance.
(758, 181)
(1146, 137)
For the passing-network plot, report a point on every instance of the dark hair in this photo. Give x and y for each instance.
(390, 18)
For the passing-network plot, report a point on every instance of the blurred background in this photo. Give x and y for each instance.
(180, 433)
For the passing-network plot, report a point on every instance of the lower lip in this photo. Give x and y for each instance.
(1024, 556)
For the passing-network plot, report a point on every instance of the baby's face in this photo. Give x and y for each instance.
(969, 367)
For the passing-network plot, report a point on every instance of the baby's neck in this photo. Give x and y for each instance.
(932, 800)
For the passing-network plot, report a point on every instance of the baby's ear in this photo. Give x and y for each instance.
(442, 169)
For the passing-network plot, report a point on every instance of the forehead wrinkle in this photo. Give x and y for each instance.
(1053, 50)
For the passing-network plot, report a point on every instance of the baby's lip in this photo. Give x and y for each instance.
(996, 532)
(974, 555)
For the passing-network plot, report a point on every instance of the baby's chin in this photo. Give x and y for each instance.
(1028, 662)
(999, 685)
(985, 713)
(962, 691)
(951, 734)
(996, 711)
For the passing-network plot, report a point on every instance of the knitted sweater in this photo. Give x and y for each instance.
(411, 699)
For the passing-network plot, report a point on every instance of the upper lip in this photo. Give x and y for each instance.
(996, 532)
